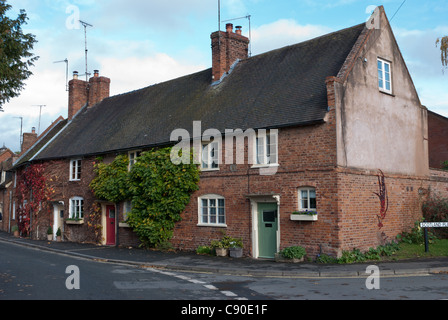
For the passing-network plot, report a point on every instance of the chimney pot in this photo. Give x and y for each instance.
(33, 130)
(75, 75)
(238, 30)
(96, 73)
(229, 28)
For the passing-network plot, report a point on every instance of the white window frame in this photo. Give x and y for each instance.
(127, 208)
(382, 65)
(76, 206)
(216, 202)
(133, 155)
(308, 207)
(210, 156)
(265, 148)
(75, 169)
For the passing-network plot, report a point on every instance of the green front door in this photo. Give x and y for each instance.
(267, 230)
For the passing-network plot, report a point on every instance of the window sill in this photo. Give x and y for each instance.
(215, 225)
(257, 166)
(386, 93)
(303, 217)
(207, 170)
(76, 222)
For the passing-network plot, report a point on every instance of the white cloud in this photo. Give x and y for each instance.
(133, 73)
(422, 58)
(282, 33)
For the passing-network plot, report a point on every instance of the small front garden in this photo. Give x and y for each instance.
(409, 245)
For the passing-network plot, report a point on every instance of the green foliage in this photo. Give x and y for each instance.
(443, 43)
(50, 230)
(416, 235)
(294, 252)
(356, 256)
(15, 53)
(161, 190)
(325, 258)
(227, 242)
(445, 165)
(204, 250)
(58, 232)
(112, 180)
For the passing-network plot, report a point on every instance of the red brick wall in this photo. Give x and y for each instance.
(437, 139)
(305, 159)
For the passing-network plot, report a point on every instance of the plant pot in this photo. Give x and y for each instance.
(16, 234)
(58, 238)
(221, 252)
(49, 237)
(236, 252)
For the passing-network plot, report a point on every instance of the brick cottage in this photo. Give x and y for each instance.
(338, 131)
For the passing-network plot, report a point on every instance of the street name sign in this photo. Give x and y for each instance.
(434, 225)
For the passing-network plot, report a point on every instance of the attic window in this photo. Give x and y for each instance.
(384, 76)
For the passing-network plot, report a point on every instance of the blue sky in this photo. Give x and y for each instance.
(138, 43)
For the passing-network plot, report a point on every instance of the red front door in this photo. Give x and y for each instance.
(110, 225)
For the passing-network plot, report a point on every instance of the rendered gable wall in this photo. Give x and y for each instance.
(377, 130)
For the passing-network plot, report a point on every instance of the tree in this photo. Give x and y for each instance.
(15, 54)
(443, 42)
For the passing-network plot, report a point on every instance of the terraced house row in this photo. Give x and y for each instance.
(338, 156)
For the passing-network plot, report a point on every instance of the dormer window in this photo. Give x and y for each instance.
(384, 76)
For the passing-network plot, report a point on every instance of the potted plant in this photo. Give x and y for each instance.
(15, 231)
(236, 248)
(50, 233)
(291, 254)
(59, 235)
(220, 247)
(307, 215)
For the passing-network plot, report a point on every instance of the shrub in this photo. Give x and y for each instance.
(435, 209)
(415, 236)
(203, 250)
(294, 252)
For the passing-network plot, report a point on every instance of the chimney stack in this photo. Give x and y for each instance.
(99, 88)
(227, 48)
(29, 139)
(77, 95)
(82, 93)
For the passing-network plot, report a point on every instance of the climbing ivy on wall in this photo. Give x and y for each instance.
(111, 182)
(32, 194)
(159, 190)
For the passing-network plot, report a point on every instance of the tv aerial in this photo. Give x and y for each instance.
(85, 24)
(250, 30)
(66, 72)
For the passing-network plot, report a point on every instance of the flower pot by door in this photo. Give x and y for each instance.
(49, 237)
(221, 252)
(236, 252)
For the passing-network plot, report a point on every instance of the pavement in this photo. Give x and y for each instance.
(192, 262)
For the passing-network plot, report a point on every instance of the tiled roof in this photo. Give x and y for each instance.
(284, 87)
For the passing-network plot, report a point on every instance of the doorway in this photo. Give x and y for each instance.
(110, 225)
(267, 215)
(58, 218)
